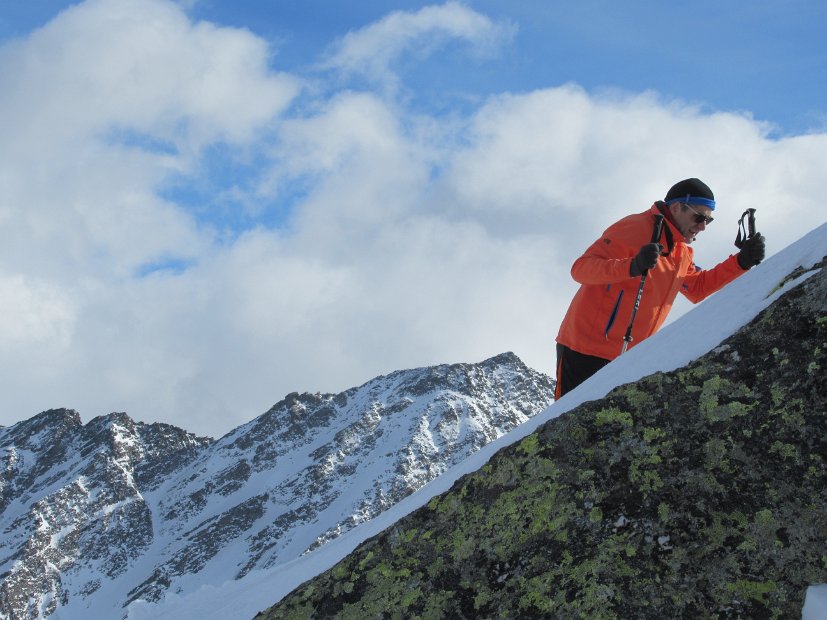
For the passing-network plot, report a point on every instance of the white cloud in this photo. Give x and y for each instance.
(34, 314)
(99, 107)
(414, 239)
(106, 101)
(140, 65)
(372, 50)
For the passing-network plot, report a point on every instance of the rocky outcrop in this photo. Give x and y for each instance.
(698, 493)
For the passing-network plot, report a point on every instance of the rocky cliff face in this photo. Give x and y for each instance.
(73, 509)
(95, 516)
(698, 493)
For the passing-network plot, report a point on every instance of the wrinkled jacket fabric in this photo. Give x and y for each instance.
(599, 314)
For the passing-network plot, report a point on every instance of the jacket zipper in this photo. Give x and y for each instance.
(613, 315)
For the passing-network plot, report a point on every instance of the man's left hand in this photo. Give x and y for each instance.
(752, 252)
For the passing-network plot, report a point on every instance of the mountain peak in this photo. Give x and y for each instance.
(51, 421)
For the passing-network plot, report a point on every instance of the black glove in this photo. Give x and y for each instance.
(752, 252)
(645, 259)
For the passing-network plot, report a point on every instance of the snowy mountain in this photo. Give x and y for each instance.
(98, 516)
(734, 404)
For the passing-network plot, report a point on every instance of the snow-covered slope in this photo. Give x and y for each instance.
(696, 333)
(98, 516)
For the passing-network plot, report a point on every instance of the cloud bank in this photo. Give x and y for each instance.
(364, 235)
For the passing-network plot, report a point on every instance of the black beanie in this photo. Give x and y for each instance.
(694, 188)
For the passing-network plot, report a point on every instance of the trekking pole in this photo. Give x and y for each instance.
(655, 239)
(745, 233)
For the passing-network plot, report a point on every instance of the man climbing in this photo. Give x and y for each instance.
(610, 274)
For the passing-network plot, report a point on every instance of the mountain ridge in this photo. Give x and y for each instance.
(101, 515)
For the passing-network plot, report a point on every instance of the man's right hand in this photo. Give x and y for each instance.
(645, 259)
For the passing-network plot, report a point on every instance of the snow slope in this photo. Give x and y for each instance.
(678, 343)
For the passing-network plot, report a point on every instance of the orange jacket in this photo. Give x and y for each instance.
(599, 314)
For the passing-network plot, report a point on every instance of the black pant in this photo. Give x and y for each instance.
(573, 368)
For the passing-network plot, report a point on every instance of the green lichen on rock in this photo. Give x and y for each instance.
(693, 494)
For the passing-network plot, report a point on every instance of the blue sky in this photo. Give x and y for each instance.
(206, 205)
(765, 58)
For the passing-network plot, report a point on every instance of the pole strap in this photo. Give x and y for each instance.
(745, 231)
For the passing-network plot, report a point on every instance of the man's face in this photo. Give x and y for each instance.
(686, 219)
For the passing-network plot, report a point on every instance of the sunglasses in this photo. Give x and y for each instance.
(698, 217)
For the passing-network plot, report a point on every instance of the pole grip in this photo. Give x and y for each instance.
(658, 228)
(751, 222)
